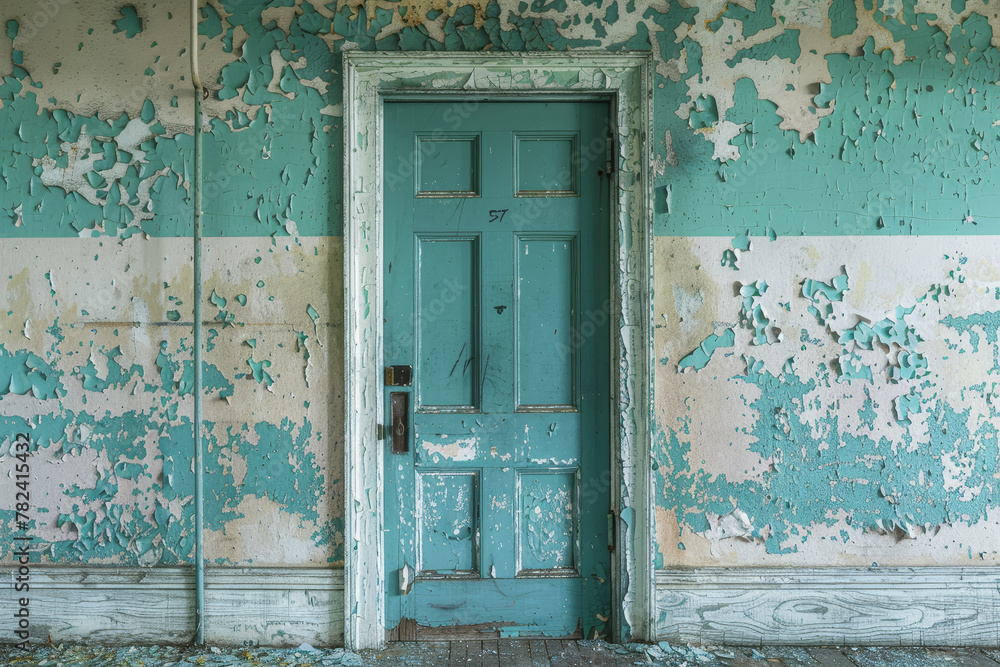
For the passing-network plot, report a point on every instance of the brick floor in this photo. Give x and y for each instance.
(497, 653)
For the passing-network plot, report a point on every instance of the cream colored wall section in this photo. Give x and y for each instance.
(861, 433)
(73, 46)
(110, 324)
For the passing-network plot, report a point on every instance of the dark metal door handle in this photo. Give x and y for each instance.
(399, 407)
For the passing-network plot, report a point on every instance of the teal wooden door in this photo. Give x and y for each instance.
(497, 295)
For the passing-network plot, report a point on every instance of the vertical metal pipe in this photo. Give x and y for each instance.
(199, 565)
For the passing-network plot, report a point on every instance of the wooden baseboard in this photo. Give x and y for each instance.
(125, 605)
(931, 606)
(925, 606)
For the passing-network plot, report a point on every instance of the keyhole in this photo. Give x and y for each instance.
(499, 309)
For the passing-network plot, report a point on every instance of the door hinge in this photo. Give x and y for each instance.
(405, 578)
(379, 432)
(612, 531)
(609, 156)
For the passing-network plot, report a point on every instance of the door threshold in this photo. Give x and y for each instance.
(409, 630)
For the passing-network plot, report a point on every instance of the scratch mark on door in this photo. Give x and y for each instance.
(482, 383)
(455, 365)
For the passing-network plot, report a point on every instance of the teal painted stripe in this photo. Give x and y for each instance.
(906, 149)
(257, 178)
(267, 172)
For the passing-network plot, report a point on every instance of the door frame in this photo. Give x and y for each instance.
(625, 81)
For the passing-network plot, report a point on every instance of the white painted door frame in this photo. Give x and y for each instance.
(624, 79)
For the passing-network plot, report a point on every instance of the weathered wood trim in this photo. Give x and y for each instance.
(131, 605)
(932, 606)
(625, 80)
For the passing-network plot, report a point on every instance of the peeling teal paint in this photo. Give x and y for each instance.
(761, 18)
(22, 372)
(834, 291)
(988, 322)
(868, 413)
(136, 527)
(906, 405)
(815, 481)
(168, 372)
(703, 354)
(853, 368)
(731, 259)
(130, 23)
(843, 18)
(886, 331)
(116, 377)
(786, 45)
(705, 113)
(302, 348)
(753, 315)
(258, 369)
(177, 377)
(892, 333)
(210, 23)
(31, 133)
(314, 316)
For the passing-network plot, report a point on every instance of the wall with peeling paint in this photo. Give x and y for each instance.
(827, 293)
(857, 395)
(96, 366)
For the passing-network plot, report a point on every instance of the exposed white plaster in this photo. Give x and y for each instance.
(803, 12)
(456, 450)
(271, 534)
